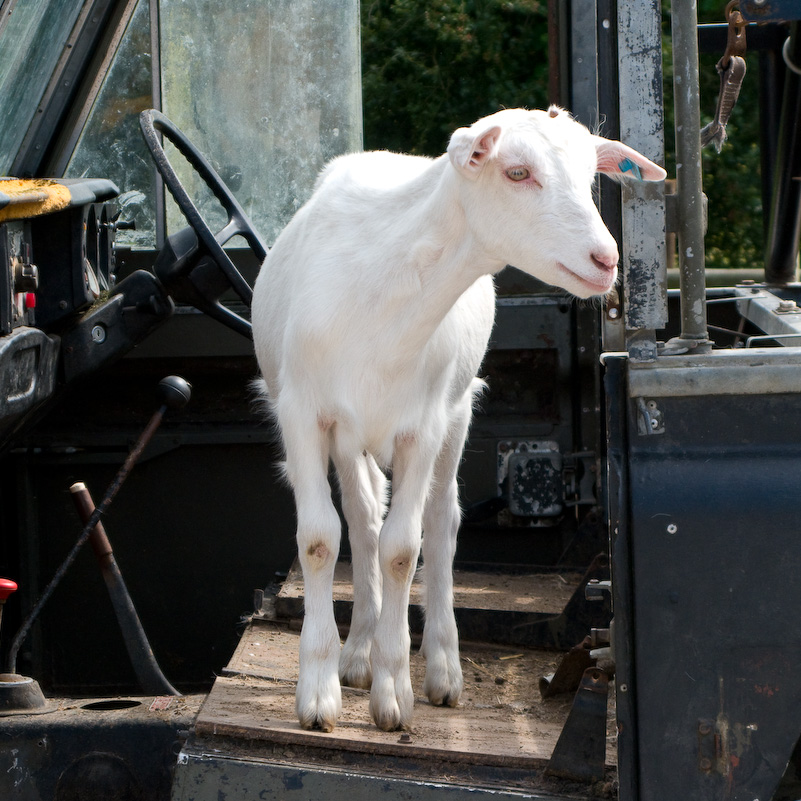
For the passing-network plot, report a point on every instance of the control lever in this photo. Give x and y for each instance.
(148, 672)
(173, 393)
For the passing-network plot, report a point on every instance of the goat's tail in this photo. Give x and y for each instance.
(265, 406)
(478, 388)
(261, 396)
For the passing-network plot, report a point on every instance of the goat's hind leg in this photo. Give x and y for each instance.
(318, 698)
(363, 488)
(391, 696)
(443, 682)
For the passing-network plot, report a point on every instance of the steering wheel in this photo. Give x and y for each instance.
(190, 269)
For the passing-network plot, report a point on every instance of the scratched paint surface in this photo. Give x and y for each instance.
(641, 127)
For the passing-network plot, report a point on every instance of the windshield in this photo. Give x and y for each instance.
(111, 145)
(32, 39)
(268, 91)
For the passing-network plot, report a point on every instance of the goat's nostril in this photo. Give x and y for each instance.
(604, 262)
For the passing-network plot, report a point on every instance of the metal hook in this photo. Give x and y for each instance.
(735, 44)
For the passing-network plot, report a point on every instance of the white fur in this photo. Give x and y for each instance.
(371, 317)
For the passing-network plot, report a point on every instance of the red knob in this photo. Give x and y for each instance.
(7, 586)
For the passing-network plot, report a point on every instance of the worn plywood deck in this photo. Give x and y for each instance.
(501, 720)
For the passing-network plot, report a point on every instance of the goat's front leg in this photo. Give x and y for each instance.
(318, 699)
(391, 696)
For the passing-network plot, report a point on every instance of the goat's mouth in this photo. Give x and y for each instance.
(605, 279)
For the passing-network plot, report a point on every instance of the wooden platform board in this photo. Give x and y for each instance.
(500, 722)
(537, 594)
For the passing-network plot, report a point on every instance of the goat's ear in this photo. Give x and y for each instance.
(621, 161)
(469, 152)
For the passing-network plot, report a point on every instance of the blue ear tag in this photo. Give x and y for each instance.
(627, 165)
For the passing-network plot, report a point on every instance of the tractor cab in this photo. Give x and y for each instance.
(626, 571)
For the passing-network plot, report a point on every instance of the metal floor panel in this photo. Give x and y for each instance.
(203, 775)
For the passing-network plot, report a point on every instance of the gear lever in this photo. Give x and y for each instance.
(173, 393)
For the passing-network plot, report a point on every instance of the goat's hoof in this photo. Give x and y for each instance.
(317, 721)
(389, 716)
(444, 696)
(443, 683)
(361, 681)
(320, 711)
(318, 724)
(356, 674)
(446, 700)
(391, 722)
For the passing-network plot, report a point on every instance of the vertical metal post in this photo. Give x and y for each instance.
(156, 102)
(558, 58)
(609, 106)
(584, 63)
(784, 229)
(689, 181)
(639, 38)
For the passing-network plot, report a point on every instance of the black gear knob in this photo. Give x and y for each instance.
(174, 392)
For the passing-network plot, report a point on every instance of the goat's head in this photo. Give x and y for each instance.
(526, 190)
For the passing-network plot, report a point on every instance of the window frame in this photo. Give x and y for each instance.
(79, 73)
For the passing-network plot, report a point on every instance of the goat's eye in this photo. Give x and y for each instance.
(517, 173)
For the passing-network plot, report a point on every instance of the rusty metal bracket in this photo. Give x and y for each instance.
(577, 618)
(567, 676)
(580, 752)
(708, 746)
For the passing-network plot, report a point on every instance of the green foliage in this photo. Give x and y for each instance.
(732, 178)
(430, 66)
(732, 183)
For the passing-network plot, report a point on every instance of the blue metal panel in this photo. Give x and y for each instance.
(709, 515)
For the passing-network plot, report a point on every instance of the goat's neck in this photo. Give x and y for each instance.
(444, 257)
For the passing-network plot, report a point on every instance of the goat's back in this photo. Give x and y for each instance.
(343, 309)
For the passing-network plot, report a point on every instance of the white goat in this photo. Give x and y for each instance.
(371, 316)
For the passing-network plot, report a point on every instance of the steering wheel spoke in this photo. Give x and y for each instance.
(153, 123)
(231, 229)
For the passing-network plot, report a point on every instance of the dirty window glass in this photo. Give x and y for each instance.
(268, 91)
(111, 145)
(30, 46)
